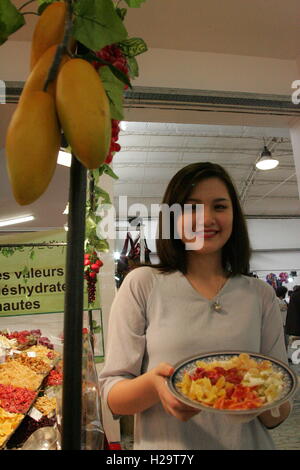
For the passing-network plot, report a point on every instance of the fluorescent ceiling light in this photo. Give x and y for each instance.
(18, 220)
(64, 158)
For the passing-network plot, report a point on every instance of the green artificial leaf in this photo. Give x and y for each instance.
(91, 57)
(108, 171)
(134, 3)
(3, 35)
(114, 89)
(90, 228)
(100, 193)
(25, 274)
(120, 75)
(7, 252)
(91, 235)
(121, 12)
(95, 327)
(133, 67)
(43, 5)
(94, 174)
(133, 46)
(97, 24)
(42, 2)
(101, 245)
(10, 19)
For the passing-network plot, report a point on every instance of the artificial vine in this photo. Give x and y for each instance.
(102, 39)
(97, 200)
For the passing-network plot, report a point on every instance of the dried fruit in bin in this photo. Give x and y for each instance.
(24, 339)
(46, 354)
(34, 363)
(26, 428)
(8, 423)
(54, 378)
(14, 373)
(16, 399)
(46, 405)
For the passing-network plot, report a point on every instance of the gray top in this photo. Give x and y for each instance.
(161, 318)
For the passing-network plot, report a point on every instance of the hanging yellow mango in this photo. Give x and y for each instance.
(83, 111)
(32, 146)
(48, 31)
(37, 78)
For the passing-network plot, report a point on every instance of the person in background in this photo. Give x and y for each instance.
(293, 314)
(289, 296)
(195, 301)
(281, 294)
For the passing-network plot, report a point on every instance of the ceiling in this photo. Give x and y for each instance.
(152, 152)
(253, 28)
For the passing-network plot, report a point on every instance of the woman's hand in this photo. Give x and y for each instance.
(171, 405)
(275, 416)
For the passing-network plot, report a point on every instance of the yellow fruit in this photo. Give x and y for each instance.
(39, 73)
(32, 146)
(83, 111)
(48, 31)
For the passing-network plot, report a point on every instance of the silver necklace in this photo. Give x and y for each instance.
(217, 307)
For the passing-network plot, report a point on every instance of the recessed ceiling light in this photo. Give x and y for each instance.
(18, 220)
(64, 158)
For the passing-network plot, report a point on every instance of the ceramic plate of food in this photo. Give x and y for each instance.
(233, 382)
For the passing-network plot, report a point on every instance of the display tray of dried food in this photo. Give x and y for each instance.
(23, 378)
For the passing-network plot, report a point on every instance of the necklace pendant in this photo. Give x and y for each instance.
(217, 306)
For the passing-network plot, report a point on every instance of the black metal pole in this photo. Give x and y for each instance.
(73, 315)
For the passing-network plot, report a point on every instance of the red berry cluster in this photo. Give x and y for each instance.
(114, 56)
(92, 264)
(114, 146)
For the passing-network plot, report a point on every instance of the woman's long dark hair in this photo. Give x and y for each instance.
(171, 252)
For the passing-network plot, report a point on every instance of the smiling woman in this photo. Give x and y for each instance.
(217, 221)
(208, 184)
(194, 301)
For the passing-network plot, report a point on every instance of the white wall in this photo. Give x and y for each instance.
(211, 71)
(183, 69)
(274, 233)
